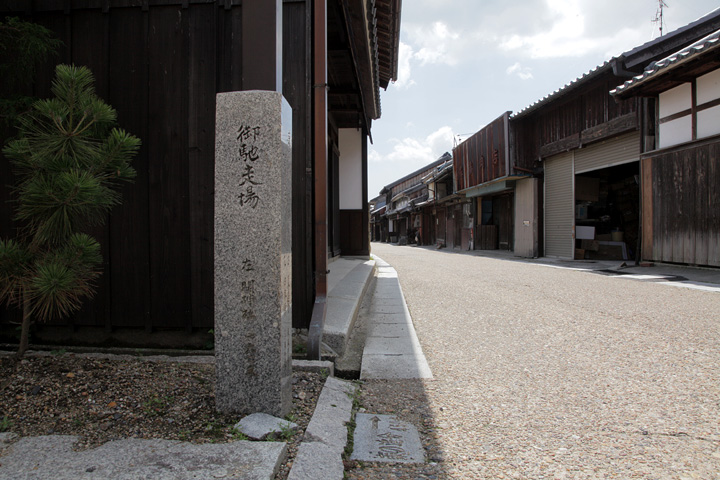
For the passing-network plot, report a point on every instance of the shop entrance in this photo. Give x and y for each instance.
(607, 213)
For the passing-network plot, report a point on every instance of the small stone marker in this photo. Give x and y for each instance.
(384, 438)
(259, 425)
(253, 259)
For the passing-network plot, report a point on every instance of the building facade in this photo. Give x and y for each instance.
(160, 63)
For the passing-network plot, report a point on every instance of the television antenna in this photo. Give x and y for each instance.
(659, 19)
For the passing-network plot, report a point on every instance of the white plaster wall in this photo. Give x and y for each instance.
(676, 131)
(350, 168)
(708, 87)
(675, 100)
(708, 122)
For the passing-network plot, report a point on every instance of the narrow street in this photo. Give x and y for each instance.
(553, 373)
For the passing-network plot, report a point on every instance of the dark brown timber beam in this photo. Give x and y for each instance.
(317, 322)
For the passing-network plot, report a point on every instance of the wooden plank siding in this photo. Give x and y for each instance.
(579, 117)
(680, 197)
(160, 63)
(482, 157)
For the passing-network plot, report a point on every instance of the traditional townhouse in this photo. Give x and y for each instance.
(589, 146)
(401, 218)
(502, 189)
(680, 158)
(160, 63)
(440, 186)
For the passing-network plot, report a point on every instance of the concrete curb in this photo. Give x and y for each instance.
(343, 304)
(320, 453)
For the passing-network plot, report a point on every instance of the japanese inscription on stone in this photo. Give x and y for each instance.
(248, 154)
(384, 438)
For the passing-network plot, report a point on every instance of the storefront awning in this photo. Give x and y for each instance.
(496, 186)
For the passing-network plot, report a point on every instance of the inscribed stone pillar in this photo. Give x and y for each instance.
(253, 263)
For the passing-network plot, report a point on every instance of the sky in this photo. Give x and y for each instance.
(463, 63)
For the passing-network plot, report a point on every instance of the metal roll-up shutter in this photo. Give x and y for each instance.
(617, 151)
(559, 206)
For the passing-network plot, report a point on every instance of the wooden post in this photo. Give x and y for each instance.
(262, 45)
(317, 321)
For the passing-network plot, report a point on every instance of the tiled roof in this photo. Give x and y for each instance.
(577, 82)
(703, 45)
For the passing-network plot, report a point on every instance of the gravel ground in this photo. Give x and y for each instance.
(551, 373)
(107, 398)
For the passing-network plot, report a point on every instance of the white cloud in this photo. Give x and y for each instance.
(523, 72)
(416, 152)
(428, 46)
(405, 53)
(575, 28)
(435, 44)
(440, 141)
(562, 37)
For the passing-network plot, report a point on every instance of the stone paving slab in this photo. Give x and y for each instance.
(320, 453)
(332, 412)
(392, 349)
(395, 367)
(384, 438)
(259, 425)
(387, 308)
(390, 318)
(405, 345)
(315, 461)
(52, 458)
(388, 330)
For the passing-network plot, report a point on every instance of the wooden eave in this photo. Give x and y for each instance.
(673, 76)
(388, 39)
(372, 34)
(362, 54)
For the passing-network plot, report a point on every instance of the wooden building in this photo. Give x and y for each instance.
(398, 216)
(589, 145)
(441, 189)
(160, 63)
(502, 190)
(376, 207)
(680, 160)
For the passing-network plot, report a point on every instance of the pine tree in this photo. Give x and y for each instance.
(69, 160)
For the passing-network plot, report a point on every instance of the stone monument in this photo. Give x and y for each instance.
(253, 260)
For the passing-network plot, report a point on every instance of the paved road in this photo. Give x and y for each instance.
(553, 373)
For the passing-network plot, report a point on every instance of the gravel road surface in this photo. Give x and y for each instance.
(553, 373)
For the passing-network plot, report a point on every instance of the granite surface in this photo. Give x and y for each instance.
(253, 259)
(52, 458)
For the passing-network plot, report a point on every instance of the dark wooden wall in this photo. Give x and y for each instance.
(681, 218)
(297, 86)
(581, 116)
(160, 64)
(481, 158)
